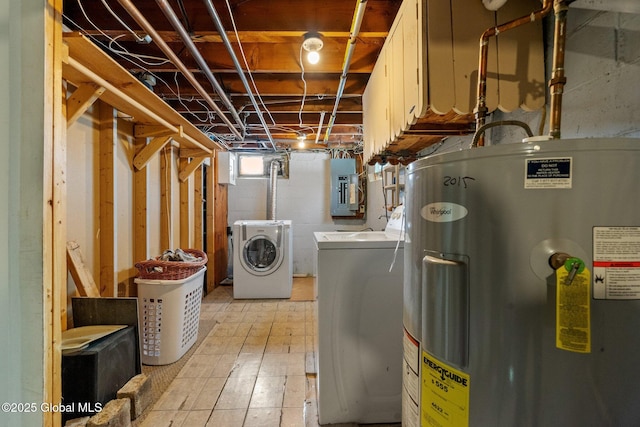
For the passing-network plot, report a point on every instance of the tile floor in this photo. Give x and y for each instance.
(255, 368)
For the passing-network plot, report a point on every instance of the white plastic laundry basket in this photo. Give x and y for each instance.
(169, 312)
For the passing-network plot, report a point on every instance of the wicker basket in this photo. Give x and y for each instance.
(171, 270)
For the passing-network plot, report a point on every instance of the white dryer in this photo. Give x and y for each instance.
(262, 259)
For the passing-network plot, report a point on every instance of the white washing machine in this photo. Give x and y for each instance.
(359, 363)
(262, 259)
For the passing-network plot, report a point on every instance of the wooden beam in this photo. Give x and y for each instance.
(210, 249)
(87, 63)
(186, 169)
(220, 230)
(166, 198)
(81, 275)
(150, 131)
(108, 201)
(198, 209)
(81, 99)
(140, 235)
(54, 226)
(143, 157)
(186, 218)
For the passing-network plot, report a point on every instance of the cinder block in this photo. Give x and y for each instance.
(138, 391)
(77, 422)
(116, 413)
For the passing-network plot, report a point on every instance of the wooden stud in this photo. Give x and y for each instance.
(198, 209)
(80, 101)
(166, 199)
(108, 200)
(210, 218)
(54, 226)
(140, 236)
(220, 229)
(185, 209)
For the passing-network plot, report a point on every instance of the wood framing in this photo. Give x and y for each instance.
(140, 236)
(108, 200)
(82, 277)
(186, 216)
(80, 100)
(166, 198)
(210, 218)
(54, 256)
(220, 231)
(198, 209)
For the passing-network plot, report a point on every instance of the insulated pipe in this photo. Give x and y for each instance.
(236, 63)
(140, 19)
(271, 191)
(481, 106)
(351, 45)
(558, 79)
(204, 67)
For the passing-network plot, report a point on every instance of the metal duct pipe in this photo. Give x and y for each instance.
(481, 106)
(271, 190)
(223, 34)
(141, 20)
(204, 67)
(351, 45)
(558, 79)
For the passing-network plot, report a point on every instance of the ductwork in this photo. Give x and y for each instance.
(271, 190)
(146, 26)
(351, 46)
(223, 34)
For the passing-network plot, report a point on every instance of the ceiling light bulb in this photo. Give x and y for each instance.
(312, 43)
(313, 57)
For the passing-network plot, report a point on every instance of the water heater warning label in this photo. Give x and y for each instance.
(548, 173)
(616, 263)
(445, 394)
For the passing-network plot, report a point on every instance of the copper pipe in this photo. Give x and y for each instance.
(481, 106)
(558, 79)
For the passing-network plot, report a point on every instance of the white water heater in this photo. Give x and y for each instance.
(522, 286)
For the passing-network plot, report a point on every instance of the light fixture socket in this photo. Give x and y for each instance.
(312, 42)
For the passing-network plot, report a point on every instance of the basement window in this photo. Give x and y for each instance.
(259, 165)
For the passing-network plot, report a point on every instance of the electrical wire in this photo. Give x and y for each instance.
(132, 57)
(246, 64)
(304, 82)
(106, 5)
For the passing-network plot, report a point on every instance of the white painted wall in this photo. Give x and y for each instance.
(304, 198)
(83, 191)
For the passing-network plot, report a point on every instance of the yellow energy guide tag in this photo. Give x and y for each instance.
(445, 394)
(573, 307)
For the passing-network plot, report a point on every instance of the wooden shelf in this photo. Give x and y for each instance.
(86, 64)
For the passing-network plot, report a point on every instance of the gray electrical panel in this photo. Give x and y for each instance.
(344, 187)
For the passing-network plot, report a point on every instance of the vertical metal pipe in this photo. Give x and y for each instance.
(481, 105)
(558, 79)
(272, 190)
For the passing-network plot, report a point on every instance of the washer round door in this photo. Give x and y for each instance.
(261, 255)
